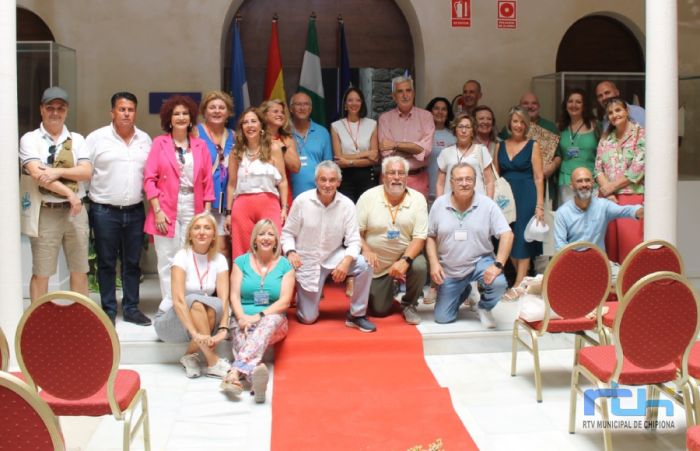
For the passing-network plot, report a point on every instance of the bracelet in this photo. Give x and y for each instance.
(227, 212)
(284, 207)
(262, 314)
(157, 210)
(289, 252)
(222, 328)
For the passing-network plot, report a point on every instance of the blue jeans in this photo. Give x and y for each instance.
(118, 235)
(453, 292)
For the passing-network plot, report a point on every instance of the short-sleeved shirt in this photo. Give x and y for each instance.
(196, 267)
(250, 283)
(463, 238)
(375, 221)
(34, 146)
(442, 139)
(313, 148)
(451, 156)
(623, 157)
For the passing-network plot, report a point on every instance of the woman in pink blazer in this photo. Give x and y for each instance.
(177, 182)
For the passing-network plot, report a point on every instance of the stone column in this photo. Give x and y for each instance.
(661, 175)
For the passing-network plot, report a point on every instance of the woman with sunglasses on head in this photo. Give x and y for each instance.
(216, 109)
(177, 182)
(276, 123)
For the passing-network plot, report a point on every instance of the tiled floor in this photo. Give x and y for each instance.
(499, 411)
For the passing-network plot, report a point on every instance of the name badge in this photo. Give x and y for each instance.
(460, 235)
(261, 297)
(392, 234)
(572, 152)
(304, 160)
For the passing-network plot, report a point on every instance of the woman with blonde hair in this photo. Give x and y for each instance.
(192, 314)
(216, 109)
(257, 186)
(262, 285)
(519, 161)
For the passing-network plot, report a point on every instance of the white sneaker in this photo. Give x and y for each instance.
(431, 297)
(219, 369)
(487, 319)
(474, 297)
(191, 364)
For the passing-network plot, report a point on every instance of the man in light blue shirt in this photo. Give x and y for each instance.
(586, 218)
(313, 143)
(607, 90)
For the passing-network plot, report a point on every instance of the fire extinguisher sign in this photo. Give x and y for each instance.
(461, 13)
(506, 14)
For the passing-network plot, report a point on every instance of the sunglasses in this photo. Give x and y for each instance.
(181, 154)
(52, 154)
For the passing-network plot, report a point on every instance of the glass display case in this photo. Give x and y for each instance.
(41, 64)
(551, 88)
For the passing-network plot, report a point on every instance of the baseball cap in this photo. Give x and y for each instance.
(54, 93)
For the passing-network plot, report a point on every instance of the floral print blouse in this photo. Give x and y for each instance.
(624, 157)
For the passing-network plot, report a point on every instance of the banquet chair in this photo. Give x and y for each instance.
(4, 352)
(645, 352)
(68, 348)
(647, 257)
(26, 421)
(575, 284)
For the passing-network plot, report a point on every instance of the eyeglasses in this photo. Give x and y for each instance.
(463, 179)
(181, 154)
(52, 154)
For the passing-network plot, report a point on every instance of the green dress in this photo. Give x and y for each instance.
(576, 150)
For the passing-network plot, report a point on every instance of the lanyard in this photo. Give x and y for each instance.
(394, 211)
(355, 138)
(196, 268)
(573, 134)
(262, 269)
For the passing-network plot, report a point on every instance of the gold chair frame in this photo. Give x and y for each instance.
(4, 352)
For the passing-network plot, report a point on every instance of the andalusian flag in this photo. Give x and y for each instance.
(310, 81)
(274, 80)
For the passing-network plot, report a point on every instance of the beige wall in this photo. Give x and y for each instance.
(176, 45)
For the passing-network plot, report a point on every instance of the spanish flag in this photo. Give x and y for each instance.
(274, 80)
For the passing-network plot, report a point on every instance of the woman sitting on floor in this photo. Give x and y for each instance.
(262, 284)
(192, 314)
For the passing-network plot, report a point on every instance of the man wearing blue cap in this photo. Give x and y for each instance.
(58, 162)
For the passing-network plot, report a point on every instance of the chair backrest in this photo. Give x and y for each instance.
(577, 280)
(4, 352)
(26, 421)
(67, 345)
(657, 321)
(646, 258)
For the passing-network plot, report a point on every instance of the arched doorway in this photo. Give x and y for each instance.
(600, 43)
(386, 25)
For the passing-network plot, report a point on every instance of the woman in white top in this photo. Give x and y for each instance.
(192, 314)
(465, 151)
(355, 145)
(257, 185)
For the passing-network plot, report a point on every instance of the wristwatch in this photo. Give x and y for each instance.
(407, 259)
(498, 265)
(289, 252)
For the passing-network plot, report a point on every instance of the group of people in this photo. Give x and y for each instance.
(245, 220)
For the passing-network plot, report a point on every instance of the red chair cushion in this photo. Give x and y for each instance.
(692, 438)
(609, 318)
(21, 427)
(601, 361)
(126, 386)
(565, 325)
(694, 361)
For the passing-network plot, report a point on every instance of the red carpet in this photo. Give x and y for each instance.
(337, 388)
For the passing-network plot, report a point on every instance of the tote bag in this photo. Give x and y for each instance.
(30, 205)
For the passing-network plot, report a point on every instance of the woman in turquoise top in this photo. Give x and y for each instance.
(578, 140)
(217, 108)
(262, 284)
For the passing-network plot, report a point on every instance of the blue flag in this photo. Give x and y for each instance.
(343, 70)
(239, 85)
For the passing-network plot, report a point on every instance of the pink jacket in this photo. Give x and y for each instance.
(161, 178)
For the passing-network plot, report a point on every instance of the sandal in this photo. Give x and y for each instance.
(512, 295)
(232, 385)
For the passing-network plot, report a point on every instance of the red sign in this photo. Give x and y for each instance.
(461, 13)
(506, 14)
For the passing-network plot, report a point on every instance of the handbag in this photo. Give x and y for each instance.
(30, 205)
(502, 192)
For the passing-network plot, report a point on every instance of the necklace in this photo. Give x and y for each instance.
(356, 137)
(252, 155)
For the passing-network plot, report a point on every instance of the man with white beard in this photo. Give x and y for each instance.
(586, 218)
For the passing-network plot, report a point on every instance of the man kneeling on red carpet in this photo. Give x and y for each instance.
(320, 222)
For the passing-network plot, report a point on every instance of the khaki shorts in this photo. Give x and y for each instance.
(58, 228)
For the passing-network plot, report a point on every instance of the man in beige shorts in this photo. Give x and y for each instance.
(58, 162)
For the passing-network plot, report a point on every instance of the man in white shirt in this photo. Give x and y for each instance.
(321, 238)
(58, 162)
(118, 153)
